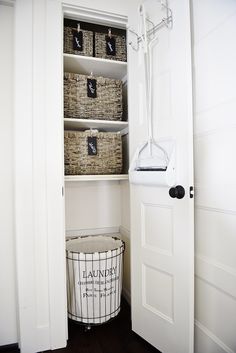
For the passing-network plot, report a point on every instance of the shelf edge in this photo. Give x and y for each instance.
(96, 177)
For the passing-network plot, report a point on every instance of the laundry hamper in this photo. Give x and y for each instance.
(104, 102)
(91, 152)
(94, 278)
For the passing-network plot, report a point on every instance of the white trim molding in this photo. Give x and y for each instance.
(95, 15)
(24, 188)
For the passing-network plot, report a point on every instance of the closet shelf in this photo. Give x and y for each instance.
(99, 67)
(96, 177)
(101, 125)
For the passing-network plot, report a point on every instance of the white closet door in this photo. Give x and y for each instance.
(162, 229)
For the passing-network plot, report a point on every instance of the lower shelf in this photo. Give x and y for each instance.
(96, 177)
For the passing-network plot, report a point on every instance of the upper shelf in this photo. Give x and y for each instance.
(99, 67)
(101, 125)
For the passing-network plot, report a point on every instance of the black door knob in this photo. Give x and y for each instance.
(177, 192)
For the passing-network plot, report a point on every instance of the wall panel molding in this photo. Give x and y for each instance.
(212, 209)
(218, 275)
(209, 132)
(215, 197)
(210, 335)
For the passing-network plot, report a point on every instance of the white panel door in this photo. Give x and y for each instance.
(162, 229)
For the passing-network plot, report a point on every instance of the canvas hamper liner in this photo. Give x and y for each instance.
(101, 47)
(107, 105)
(94, 278)
(107, 148)
(87, 46)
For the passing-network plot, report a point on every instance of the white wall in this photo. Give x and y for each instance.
(214, 25)
(8, 329)
(100, 207)
(92, 206)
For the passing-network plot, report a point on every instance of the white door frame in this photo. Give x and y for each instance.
(39, 169)
(39, 213)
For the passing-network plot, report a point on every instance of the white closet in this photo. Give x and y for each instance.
(99, 204)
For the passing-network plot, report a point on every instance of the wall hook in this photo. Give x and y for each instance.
(167, 21)
(136, 45)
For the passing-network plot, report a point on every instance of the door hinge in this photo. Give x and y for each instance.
(62, 191)
(191, 192)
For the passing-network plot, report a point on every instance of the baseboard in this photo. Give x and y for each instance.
(92, 231)
(126, 295)
(9, 347)
(96, 231)
(124, 231)
(125, 235)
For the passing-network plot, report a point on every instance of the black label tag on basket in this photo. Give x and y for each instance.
(78, 40)
(92, 145)
(110, 45)
(91, 88)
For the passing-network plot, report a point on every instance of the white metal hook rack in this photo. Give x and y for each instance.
(166, 21)
(153, 162)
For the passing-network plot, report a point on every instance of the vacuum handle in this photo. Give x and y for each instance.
(177, 192)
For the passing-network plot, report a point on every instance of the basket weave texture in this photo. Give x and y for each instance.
(100, 47)
(109, 153)
(106, 106)
(87, 42)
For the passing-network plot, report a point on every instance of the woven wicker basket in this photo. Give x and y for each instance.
(109, 153)
(106, 106)
(100, 47)
(87, 42)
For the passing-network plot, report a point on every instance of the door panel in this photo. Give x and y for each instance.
(162, 229)
(154, 217)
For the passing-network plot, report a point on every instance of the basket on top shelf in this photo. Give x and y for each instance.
(87, 97)
(88, 39)
(110, 46)
(91, 152)
(78, 41)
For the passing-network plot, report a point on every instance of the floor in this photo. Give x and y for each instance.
(10, 348)
(113, 337)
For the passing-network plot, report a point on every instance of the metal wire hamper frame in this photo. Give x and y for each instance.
(108, 307)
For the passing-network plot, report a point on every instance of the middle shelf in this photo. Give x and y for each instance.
(100, 67)
(100, 177)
